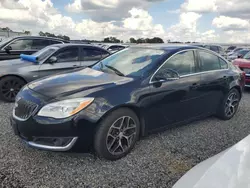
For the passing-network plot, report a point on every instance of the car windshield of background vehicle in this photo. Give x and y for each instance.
(45, 52)
(243, 52)
(131, 62)
(247, 56)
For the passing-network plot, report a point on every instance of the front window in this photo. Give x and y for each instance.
(131, 62)
(183, 63)
(45, 52)
(22, 44)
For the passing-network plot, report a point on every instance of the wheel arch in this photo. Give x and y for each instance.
(14, 75)
(133, 108)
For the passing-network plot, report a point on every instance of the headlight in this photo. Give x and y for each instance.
(64, 109)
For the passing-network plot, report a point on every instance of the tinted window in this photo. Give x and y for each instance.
(39, 44)
(22, 44)
(55, 42)
(133, 62)
(223, 64)
(209, 61)
(69, 54)
(183, 63)
(92, 54)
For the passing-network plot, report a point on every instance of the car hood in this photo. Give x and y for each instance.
(242, 62)
(75, 81)
(14, 62)
(230, 168)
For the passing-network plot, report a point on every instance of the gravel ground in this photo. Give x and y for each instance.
(157, 161)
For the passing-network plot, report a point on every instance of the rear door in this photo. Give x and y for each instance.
(90, 55)
(67, 59)
(214, 78)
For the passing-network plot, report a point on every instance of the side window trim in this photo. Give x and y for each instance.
(188, 50)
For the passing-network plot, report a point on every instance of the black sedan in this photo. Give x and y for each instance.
(14, 74)
(129, 94)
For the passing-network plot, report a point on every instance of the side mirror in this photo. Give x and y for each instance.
(167, 75)
(8, 48)
(52, 59)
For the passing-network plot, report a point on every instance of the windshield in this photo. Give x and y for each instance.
(247, 56)
(5, 40)
(243, 52)
(131, 62)
(45, 52)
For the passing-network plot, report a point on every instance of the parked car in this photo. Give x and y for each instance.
(238, 54)
(234, 51)
(230, 49)
(244, 65)
(12, 48)
(114, 48)
(215, 48)
(14, 74)
(228, 169)
(131, 93)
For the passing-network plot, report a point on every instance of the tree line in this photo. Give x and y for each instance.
(146, 40)
(47, 34)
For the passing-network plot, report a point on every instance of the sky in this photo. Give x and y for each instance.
(213, 21)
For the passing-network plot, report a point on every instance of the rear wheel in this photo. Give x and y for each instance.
(117, 134)
(230, 105)
(9, 87)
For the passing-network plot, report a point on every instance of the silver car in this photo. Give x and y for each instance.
(14, 74)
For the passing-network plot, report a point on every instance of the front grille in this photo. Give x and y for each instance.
(24, 109)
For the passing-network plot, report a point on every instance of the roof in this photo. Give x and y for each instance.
(167, 47)
(76, 44)
(40, 37)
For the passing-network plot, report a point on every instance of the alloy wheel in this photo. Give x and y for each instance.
(121, 135)
(231, 105)
(10, 89)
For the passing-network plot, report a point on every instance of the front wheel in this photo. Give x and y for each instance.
(229, 105)
(117, 134)
(9, 87)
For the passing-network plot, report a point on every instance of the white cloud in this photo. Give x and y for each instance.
(107, 10)
(234, 8)
(228, 23)
(199, 6)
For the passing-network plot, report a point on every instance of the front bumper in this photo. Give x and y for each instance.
(54, 135)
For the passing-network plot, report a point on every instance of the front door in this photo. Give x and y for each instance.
(66, 59)
(175, 91)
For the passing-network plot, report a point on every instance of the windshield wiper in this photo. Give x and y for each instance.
(115, 70)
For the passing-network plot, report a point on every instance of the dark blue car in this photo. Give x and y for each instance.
(127, 95)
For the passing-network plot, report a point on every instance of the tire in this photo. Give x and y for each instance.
(229, 105)
(112, 139)
(9, 87)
